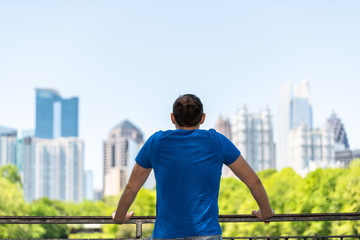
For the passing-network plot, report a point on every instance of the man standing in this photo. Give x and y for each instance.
(187, 164)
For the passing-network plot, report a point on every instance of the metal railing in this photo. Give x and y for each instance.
(140, 220)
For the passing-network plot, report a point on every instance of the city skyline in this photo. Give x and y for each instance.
(126, 60)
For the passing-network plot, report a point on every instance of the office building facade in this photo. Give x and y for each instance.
(8, 141)
(53, 168)
(252, 133)
(340, 137)
(301, 106)
(120, 149)
(294, 109)
(223, 126)
(309, 149)
(299, 145)
(55, 116)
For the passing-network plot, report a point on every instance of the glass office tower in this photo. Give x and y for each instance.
(301, 107)
(69, 117)
(55, 117)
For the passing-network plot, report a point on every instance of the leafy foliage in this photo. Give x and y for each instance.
(321, 191)
(12, 203)
(11, 173)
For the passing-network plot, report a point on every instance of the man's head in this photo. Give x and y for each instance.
(188, 111)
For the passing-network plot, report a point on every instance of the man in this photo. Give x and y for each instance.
(187, 164)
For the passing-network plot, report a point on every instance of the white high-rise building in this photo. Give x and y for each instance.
(253, 135)
(299, 146)
(310, 149)
(7, 146)
(323, 148)
(53, 168)
(294, 109)
(283, 125)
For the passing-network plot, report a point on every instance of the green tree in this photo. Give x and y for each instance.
(11, 173)
(12, 204)
(47, 207)
(347, 199)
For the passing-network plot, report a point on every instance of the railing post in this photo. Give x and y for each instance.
(138, 230)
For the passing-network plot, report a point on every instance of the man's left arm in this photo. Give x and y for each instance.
(137, 179)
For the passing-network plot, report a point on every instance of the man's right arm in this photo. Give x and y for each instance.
(246, 174)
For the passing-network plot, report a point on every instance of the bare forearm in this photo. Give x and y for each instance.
(261, 197)
(137, 179)
(246, 174)
(126, 199)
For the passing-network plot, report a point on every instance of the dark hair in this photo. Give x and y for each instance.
(188, 110)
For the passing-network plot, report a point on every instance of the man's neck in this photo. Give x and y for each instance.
(188, 128)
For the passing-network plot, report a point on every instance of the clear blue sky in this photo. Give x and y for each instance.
(131, 59)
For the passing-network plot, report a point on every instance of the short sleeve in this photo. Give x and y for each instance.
(231, 152)
(144, 156)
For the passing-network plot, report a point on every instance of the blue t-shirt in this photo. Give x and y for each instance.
(187, 166)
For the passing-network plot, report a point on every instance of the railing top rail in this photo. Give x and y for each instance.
(151, 219)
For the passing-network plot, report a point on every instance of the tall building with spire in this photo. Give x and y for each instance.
(252, 133)
(299, 145)
(343, 154)
(340, 137)
(120, 149)
(294, 109)
(301, 106)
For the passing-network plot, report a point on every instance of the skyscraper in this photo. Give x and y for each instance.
(53, 159)
(120, 149)
(283, 125)
(7, 146)
(55, 117)
(53, 168)
(223, 126)
(299, 145)
(300, 106)
(69, 117)
(294, 109)
(340, 137)
(253, 134)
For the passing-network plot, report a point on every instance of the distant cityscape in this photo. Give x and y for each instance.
(51, 157)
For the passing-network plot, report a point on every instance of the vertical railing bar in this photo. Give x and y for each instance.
(138, 229)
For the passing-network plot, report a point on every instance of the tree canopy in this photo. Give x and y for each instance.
(321, 191)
